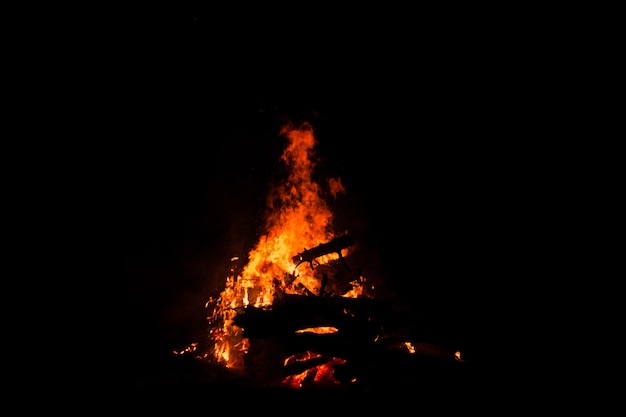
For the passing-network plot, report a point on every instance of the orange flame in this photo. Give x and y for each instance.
(298, 218)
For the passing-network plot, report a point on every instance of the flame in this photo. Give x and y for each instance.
(298, 218)
(319, 330)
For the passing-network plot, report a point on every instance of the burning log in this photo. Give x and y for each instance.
(334, 246)
(295, 312)
(366, 333)
(300, 365)
(337, 344)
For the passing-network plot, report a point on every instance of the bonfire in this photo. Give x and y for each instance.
(294, 312)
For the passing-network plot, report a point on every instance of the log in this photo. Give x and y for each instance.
(295, 312)
(334, 246)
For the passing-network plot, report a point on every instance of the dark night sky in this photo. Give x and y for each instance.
(427, 125)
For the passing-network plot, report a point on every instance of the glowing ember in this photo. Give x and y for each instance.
(299, 219)
(318, 330)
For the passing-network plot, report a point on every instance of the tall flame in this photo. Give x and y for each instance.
(298, 218)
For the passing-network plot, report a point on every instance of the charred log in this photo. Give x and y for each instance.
(334, 246)
(299, 366)
(296, 312)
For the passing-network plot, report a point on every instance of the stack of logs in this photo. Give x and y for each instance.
(369, 341)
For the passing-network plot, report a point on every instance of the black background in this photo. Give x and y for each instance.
(430, 119)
